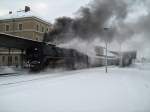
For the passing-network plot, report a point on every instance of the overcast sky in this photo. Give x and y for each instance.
(47, 9)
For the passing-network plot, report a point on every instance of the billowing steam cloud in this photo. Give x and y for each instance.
(92, 20)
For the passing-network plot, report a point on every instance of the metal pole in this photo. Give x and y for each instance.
(106, 64)
(120, 60)
(106, 59)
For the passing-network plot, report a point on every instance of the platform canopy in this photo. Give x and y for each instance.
(11, 41)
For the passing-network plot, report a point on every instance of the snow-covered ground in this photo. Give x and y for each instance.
(89, 90)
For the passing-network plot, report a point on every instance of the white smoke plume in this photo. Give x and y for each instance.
(128, 22)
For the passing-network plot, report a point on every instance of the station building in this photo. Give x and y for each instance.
(28, 27)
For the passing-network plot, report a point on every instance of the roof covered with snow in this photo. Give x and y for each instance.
(20, 15)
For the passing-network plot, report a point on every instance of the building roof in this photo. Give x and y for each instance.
(23, 15)
(11, 41)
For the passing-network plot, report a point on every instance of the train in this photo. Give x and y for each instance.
(39, 55)
(51, 56)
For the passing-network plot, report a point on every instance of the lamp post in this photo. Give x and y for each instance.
(120, 55)
(106, 58)
(106, 50)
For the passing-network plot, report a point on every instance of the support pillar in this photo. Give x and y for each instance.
(9, 50)
(22, 58)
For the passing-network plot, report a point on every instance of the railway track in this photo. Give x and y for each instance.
(36, 77)
(28, 78)
(8, 74)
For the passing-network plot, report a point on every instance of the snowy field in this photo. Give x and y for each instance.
(89, 90)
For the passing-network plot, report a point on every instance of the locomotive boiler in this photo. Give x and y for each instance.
(47, 55)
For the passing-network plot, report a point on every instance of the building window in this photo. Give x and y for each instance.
(37, 27)
(10, 60)
(47, 29)
(42, 29)
(16, 58)
(3, 59)
(20, 26)
(7, 27)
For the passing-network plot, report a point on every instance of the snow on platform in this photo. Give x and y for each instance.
(91, 90)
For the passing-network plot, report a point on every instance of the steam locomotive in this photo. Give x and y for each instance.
(41, 57)
(51, 56)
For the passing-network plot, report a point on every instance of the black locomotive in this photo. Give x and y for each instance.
(51, 56)
(47, 55)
